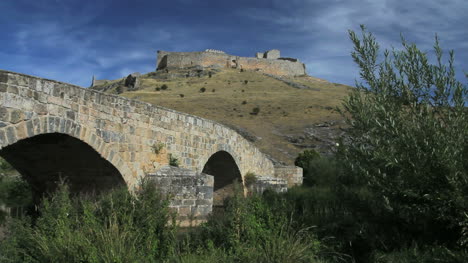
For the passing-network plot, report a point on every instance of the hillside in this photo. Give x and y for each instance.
(280, 116)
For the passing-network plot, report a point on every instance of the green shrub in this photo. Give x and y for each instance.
(255, 111)
(173, 161)
(120, 89)
(16, 194)
(114, 227)
(164, 87)
(250, 179)
(408, 123)
(432, 254)
(157, 89)
(304, 160)
(157, 147)
(252, 230)
(5, 167)
(202, 89)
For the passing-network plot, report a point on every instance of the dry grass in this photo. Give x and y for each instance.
(283, 109)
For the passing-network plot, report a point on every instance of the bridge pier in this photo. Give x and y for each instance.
(190, 193)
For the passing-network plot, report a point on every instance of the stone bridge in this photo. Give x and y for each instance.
(51, 130)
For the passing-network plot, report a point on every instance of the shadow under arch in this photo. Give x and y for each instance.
(46, 158)
(223, 167)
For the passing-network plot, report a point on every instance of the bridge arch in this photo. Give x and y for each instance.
(225, 170)
(45, 132)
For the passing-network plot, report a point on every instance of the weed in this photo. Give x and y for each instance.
(158, 147)
(255, 111)
(250, 179)
(120, 89)
(173, 161)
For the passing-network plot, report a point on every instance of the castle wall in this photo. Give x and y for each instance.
(279, 67)
(272, 54)
(190, 59)
(275, 67)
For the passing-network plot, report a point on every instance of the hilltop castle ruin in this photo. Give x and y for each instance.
(269, 62)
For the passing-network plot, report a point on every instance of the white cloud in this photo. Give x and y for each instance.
(322, 29)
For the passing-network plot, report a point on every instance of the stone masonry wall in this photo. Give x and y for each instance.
(191, 193)
(121, 130)
(278, 67)
(292, 174)
(263, 183)
(272, 66)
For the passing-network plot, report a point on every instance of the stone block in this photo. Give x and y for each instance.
(30, 128)
(272, 54)
(176, 203)
(4, 114)
(189, 202)
(21, 131)
(3, 139)
(62, 125)
(40, 109)
(185, 210)
(16, 116)
(44, 124)
(71, 115)
(29, 115)
(264, 182)
(12, 89)
(18, 80)
(3, 87)
(207, 202)
(11, 135)
(292, 174)
(37, 126)
(3, 77)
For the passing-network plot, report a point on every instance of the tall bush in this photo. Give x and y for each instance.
(114, 227)
(408, 139)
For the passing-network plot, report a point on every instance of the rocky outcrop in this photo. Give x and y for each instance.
(132, 82)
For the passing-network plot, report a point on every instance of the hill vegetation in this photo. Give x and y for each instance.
(281, 117)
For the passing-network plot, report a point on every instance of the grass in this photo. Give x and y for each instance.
(298, 108)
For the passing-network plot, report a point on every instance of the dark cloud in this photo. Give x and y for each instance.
(71, 40)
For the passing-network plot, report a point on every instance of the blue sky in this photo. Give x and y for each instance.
(70, 40)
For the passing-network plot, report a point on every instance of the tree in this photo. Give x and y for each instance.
(408, 127)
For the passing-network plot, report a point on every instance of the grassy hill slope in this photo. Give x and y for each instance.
(281, 117)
